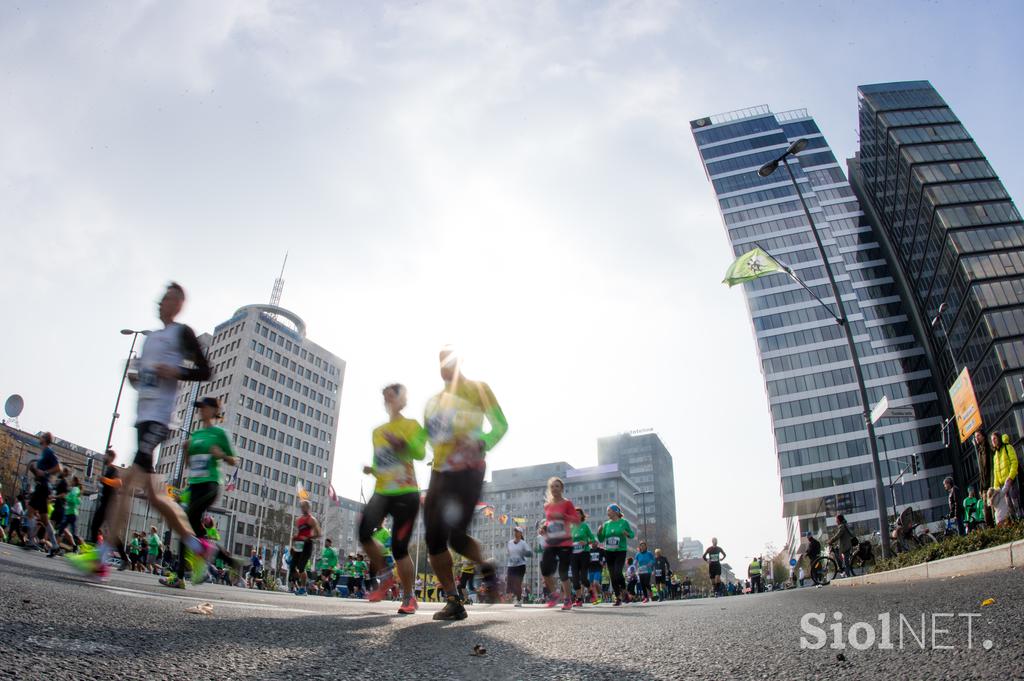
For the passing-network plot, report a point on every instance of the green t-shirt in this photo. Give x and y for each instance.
(72, 501)
(154, 545)
(328, 558)
(383, 537)
(614, 534)
(974, 510)
(582, 535)
(347, 570)
(359, 568)
(202, 465)
(135, 546)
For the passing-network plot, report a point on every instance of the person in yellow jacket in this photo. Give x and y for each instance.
(1004, 470)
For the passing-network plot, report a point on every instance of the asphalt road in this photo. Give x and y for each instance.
(56, 625)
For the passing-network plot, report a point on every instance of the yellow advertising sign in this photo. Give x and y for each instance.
(965, 406)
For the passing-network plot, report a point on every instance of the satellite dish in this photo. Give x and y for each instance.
(14, 405)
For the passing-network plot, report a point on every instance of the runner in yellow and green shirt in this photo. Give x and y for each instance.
(396, 444)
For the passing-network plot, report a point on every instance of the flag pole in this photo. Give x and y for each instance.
(792, 275)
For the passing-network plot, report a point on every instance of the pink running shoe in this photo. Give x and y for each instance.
(382, 589)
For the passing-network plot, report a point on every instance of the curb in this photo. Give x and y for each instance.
(1000, 557)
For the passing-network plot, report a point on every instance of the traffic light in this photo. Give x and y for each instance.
(915, 464)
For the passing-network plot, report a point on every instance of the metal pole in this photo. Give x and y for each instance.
(888, 470)
(117, 402)
(844, 322)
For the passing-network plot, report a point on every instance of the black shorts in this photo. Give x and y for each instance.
(448, 508)
(715, 569)
(402, 508)
(556, 555)
(150, 435)
(40, 499)
(301, 559)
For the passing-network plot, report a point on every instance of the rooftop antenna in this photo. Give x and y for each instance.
(275, 295)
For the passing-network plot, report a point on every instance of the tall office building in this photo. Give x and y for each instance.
(820, 435)
(645, 460)
(280, 394)
(957, 244)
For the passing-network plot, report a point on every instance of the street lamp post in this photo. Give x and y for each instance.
(841, 319)
(117, 403)
(643, 508)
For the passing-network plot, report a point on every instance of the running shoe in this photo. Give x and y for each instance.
(88, 561)
(452, 610)
(409, 606)
(645, 600)
(617, 603)
(197, 561)
(578, 603)
(567, 605)
(487, 592)
(300, 592)
(173, 582)
(382, 589)
(519, 603)
(552, 601)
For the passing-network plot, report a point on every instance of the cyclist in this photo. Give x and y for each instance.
(844, 540)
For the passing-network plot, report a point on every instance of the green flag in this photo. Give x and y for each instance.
(750, 266)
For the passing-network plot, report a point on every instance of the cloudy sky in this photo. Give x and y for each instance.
(517, 178)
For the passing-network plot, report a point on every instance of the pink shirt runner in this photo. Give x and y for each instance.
(559, 519)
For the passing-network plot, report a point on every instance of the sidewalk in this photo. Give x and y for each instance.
(1002, 557)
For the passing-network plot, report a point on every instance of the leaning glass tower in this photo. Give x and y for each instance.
(820, 436)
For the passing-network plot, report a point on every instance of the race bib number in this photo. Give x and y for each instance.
(148, 378)
(713, 557)
(198, 464)
(611, 542)
(657, 573)
(556, 528)
(441, 426)
(577, 547)
(298, 546)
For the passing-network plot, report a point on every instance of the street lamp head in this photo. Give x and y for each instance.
(796, 147)
(768, 168)
(126, 332)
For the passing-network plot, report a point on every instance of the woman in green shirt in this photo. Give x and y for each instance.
(974, 510)
(615, 533)
(582, 537)
(206, 449)
(69, 525)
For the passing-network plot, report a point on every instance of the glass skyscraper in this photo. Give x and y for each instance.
(820, 435)
(955, 238)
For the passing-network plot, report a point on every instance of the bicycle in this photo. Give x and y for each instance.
(824, 569)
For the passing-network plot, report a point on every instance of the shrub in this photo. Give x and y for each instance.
(954, 546)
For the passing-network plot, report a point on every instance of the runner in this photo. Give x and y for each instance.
(582, 538)
(39, 503)
(560, 516)
(662, 573)
(632, 581)
(109, 483)
(466, 572)
(161, 366)
(307, 530)
(69, 525)
(714, 555)
(644, 571)
(154, 547)
(518, 552)
(57, 510)
(396, 444)
(206, 449)
(614, 533)
(597, 575)
(328, 565)
(454, 419)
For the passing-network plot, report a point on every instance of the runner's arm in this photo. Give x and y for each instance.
(495, 417)
(191, 350)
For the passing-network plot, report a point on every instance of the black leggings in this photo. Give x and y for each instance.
(580, 570)
(448, 509)
(616, 560)
(402, 508)
(645, 584)
(200, 498)
(562, 555)
(99, 515)
(514, 580)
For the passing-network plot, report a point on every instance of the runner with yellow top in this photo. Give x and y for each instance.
(396, 444)
(455, 420)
